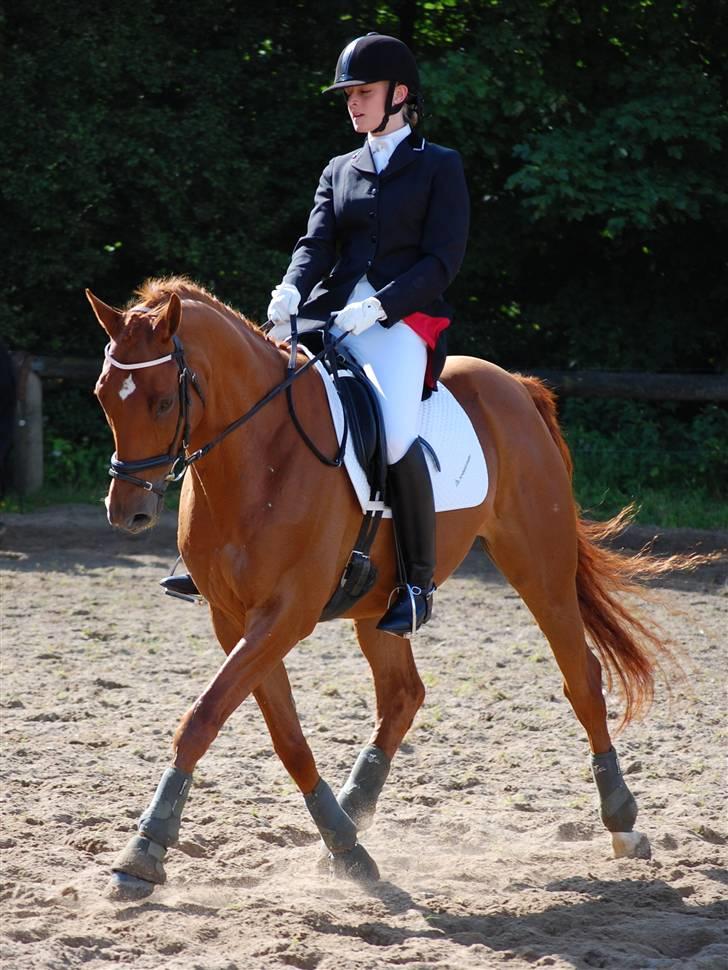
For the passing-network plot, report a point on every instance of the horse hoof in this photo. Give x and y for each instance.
(356, 864)
(142, 859)
(631, 845)
(122, 886)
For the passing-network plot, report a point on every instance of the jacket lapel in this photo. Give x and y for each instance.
(405, 153)
(363, 161)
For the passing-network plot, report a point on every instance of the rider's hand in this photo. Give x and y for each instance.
(285, 302)
(355, 318)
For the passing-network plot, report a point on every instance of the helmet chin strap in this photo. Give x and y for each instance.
(389, 108)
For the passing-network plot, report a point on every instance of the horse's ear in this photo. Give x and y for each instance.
(168, 320)
(109, 318)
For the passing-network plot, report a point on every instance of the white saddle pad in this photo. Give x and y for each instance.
(462, 481)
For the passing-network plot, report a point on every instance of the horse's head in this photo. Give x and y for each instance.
(139, 390)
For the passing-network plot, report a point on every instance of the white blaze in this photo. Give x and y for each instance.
(127, 388)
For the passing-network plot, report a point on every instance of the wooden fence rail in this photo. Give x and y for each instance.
(625, 385)
(632, 385)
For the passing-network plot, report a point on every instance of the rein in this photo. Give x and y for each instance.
(180, 460)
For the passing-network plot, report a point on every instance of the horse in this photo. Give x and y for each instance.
(265, 529)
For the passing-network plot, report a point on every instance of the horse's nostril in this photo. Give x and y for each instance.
(139, 520)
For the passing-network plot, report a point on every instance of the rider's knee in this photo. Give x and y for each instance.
(398, 444)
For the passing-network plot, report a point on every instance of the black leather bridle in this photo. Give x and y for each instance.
(123, 470)
(179, 459)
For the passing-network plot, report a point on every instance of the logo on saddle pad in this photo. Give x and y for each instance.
(462, 473)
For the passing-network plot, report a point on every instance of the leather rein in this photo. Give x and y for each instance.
(179, 460)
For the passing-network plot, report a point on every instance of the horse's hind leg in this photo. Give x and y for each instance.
(338, 832)
(551, 596)
(399, 695)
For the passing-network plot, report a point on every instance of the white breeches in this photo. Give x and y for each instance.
(394, 360)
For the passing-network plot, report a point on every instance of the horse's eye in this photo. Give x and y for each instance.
(165, 405)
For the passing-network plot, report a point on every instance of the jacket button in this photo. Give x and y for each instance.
(373, 190)
(369, 263)
(374, 238)
(372, 214)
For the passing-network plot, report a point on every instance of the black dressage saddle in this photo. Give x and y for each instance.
(361, 409)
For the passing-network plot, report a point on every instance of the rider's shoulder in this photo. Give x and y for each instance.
(440, 153)
(347, 157)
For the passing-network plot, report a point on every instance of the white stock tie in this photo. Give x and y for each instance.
(380, 153)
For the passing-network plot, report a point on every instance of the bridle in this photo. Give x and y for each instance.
(179, 459)
(123, 469)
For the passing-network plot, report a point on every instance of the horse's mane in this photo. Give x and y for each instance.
(155, 291)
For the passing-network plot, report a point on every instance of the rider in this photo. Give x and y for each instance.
(385, 238)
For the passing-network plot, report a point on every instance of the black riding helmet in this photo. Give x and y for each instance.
(378, 57)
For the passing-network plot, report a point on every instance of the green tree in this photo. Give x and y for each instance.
(162, 138)
(595, 139)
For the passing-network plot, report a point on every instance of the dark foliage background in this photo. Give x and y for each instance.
(152, 138)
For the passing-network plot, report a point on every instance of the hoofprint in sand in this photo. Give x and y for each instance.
(487, 835)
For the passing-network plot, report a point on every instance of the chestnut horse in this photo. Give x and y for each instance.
(265, 529)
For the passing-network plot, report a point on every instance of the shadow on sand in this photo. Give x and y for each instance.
(632, 922)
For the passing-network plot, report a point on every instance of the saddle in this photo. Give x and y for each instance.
(364, 425)
(364, 420)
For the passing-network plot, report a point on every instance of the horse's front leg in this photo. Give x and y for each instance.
(400, 694)
(252, 665)
(249, 661)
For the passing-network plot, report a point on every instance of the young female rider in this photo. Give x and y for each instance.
(385, 238)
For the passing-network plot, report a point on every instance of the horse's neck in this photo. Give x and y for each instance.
(238, 363)
(229, 495)
(236, 366)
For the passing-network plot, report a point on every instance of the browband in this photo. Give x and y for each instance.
(142, 363)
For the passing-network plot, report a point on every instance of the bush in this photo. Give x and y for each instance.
(673, 465)
(78, 442)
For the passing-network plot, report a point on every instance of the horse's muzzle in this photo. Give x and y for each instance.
(132, 509)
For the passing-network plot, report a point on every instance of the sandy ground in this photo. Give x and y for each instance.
(487, 838)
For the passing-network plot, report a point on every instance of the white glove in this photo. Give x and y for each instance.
(355, 318)
(285, 302)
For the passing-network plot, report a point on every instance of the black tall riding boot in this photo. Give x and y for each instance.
(182, 586)
(413, 508)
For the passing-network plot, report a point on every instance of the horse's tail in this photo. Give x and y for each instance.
(627, 648)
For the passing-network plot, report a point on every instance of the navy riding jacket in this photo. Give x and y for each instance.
(405, 229)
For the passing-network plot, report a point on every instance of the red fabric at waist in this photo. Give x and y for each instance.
(427, 327)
